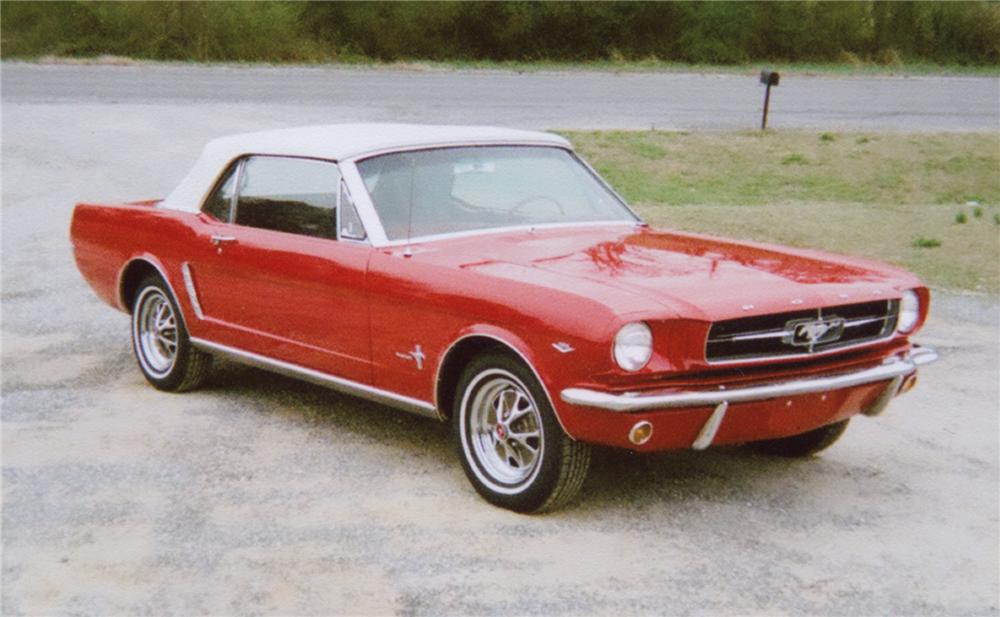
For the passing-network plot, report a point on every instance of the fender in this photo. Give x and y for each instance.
(157, 265)
(509, 340)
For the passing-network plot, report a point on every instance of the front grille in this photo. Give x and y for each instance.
(799, 333)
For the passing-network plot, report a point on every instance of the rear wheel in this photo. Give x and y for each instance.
(160, 340)
(805, 444)
(509, 441)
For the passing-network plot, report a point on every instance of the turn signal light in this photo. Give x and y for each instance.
(640, 433)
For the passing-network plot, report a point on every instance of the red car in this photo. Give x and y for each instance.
(490, 278)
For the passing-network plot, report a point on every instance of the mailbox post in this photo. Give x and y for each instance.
(768, 78)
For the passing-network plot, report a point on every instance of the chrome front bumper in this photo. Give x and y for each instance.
(893, 368)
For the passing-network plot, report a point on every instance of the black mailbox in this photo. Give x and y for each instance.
(769, 78)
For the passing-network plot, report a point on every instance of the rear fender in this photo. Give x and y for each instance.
(148, 259)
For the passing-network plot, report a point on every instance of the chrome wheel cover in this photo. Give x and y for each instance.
(502, 430)
(154, 329)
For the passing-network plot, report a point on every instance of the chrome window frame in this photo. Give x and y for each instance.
(220, 180)
(362, 204)
(241, 163)
(235, 198)
(341, 189)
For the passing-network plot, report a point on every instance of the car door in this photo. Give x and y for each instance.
(274, 276)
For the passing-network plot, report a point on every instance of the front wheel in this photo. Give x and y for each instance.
(805, 444)
(160, 340)
(509, 441)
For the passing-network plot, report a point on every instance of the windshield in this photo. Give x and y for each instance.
(428, 192)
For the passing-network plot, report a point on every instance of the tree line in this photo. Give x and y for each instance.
(693, 32)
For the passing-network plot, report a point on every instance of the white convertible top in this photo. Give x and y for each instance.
(336, 142)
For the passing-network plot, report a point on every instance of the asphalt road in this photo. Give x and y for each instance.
(534, 100)
(262, 495)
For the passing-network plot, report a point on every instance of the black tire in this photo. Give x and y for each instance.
(493, 459)
(805, 444)
(156, 321)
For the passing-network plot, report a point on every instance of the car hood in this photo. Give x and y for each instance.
(693, 276)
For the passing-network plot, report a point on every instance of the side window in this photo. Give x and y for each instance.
(293, 195)
(350, 222)
(217, 205)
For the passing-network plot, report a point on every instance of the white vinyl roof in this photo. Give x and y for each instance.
(336, 142)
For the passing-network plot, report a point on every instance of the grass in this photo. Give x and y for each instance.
(654, 65)
(535, 66)
(892, 197)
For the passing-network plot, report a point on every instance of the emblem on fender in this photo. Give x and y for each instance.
(811, 332)
(417, 355)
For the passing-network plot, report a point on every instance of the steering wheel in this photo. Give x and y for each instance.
(543, 199)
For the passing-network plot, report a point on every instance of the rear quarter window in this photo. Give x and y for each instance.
(218, 203)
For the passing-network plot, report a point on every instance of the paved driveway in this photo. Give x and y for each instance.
(546, 99)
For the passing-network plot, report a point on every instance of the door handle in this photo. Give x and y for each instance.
(218, 240)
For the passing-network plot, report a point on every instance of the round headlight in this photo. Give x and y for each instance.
(633, 346)
(909, 312)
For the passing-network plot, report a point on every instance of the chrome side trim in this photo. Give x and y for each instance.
(191, 291)
(339, 384)
(890, 369)
(707, 433)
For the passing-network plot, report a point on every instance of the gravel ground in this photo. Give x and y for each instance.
(259, 494)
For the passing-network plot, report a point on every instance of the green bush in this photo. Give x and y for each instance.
(926, 243)
(265, 31)
(698, 32)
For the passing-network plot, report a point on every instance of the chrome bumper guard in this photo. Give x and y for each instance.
(893, 368)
